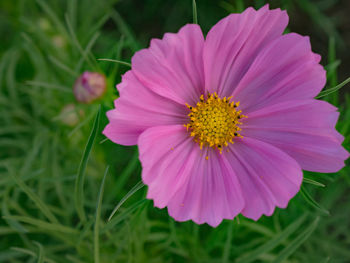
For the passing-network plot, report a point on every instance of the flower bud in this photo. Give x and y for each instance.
(69, 115)
(89, 87)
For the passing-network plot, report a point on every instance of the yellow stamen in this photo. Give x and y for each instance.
(214, 121)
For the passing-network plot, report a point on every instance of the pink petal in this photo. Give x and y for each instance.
(172, 67)
(179, 176)
(303, 129)
(234, 42)
(284, 70)
(137, 109)
(268, 176)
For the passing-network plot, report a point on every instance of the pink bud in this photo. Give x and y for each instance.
(89, 87)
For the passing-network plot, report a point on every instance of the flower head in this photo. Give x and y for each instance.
(89, 87)
(226, 124)
(214, 121)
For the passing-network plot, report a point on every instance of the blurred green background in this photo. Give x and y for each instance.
(44, 141)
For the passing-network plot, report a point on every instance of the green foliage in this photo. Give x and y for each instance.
(79, 182)
(97, 220)
(59, 202)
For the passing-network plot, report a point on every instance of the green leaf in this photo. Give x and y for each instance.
(332, 78)
(194, 11)
(311, 201)
(81, 124)
(115, 61)
(331, 67)
(87, 56)
(62, 66)
(98, 24)
(119, 184)
(272, 243)
(334, 89)
(6, 214)
(228, 243)
(4, 230)
(87, 51)
(34, 197)
(297, 242)
(40, 252)
(125, 30)
(31, 253)
(97, 220)
(123, 215)
(84, 232)
(313, 182)
(52, 15)
(49, 86)
(43, 225)
(11, 84)
(256, 227)
(133, 190)
(79, 183)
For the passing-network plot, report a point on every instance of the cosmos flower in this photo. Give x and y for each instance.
(226, 124)
(89, 87)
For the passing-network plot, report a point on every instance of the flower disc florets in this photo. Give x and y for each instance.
(214, 121)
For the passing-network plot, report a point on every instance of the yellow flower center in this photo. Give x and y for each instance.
(214, 121)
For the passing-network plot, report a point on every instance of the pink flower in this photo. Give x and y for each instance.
(207, 157)
(89, 87)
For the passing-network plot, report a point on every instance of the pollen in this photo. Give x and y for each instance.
(214, 121)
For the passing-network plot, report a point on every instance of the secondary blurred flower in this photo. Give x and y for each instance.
(225, 125)
(89, 87)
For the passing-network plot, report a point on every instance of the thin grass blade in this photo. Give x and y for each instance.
(81, 124)
(256, 227)
(79, 183)
(98, 218)
(194, 12)
(52, 15)
(332, 67)
(11, 222)
(119, 184)
(49, 86)
(43, 225)
(137, 187)
(334, 89)
(34, 197)
(30, 253)
(297, 242)
(123, 215)
(311, 201)
(252, 256)
(87, 50)
(115, 61)
(62, 66)
(313, 182)
(40, 252)
(125, 30)
(228, 243)
(92, 63)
